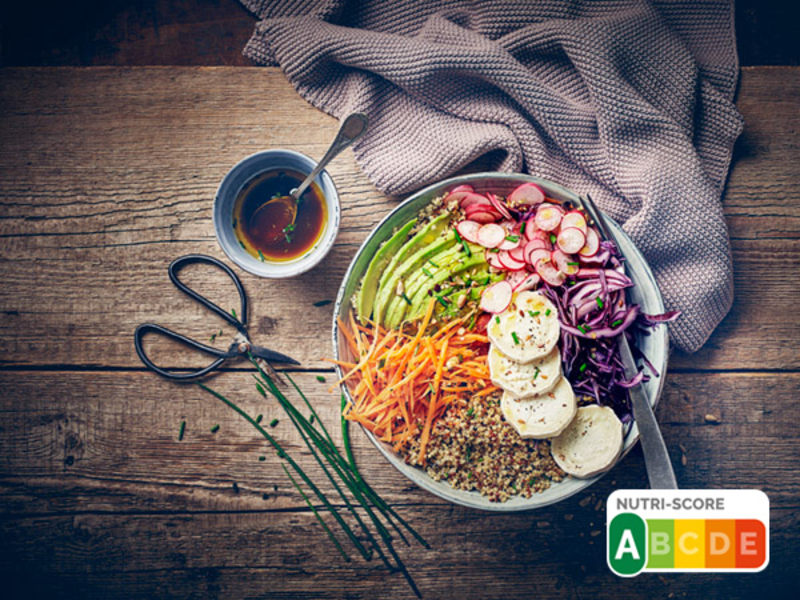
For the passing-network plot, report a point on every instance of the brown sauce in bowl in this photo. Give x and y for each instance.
(267, 234)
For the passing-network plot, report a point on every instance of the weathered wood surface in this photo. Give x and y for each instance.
(108, 174)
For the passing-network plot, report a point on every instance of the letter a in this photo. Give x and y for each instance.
(627, 546)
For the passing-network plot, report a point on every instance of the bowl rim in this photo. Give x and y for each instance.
(420, 477)
(301, 264)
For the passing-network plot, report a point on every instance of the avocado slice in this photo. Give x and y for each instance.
(419, 301)
(404, 270)
(396, 267)
(369, 284)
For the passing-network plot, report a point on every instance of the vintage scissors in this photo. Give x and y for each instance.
(241, 345)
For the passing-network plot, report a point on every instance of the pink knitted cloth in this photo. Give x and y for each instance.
(630, 101)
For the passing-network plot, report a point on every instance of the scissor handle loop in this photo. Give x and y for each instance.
(174, 268)
(177, 376)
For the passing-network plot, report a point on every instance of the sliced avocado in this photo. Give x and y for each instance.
(410, 266)
(424, 237)
(419, 302)
(369, 285)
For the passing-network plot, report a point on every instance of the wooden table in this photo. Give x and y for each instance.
(107, 174)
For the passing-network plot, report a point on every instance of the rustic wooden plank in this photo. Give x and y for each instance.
(254, 555)
(107, 174)
(107, 442)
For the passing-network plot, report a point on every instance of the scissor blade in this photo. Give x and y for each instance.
(272, 356)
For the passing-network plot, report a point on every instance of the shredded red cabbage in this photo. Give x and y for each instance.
(593, 312)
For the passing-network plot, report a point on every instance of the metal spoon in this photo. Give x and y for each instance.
(352, 128)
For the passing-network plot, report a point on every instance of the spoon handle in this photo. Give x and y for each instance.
(352, 128)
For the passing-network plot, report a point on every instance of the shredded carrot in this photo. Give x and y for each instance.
(403, 381)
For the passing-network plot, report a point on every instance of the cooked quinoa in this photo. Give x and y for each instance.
(473, 448)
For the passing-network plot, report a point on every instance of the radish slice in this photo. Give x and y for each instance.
(464, 187)
(548, 217)
(566, 264)
(470, 198)
(531, 228)
(571, 240)
(574, 218)
(482, 217)
(535, 255)
(536, 244)
(491, 235)
(527, 193)
(496, 298)
(528, 283)
(510, 244)
(515, 278)
(498, 205)
(592, 244)
(549, 273)
(491, 258)
(508, 262)
(481, 205)
(518, 253)
(469, 230)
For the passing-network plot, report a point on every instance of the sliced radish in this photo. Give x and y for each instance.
(565, 263)
(496, 298)
(482, 206)
(549, 273)
(531, 228)
(518, 253)
(511, 244)
(464, 187)
(515, 278)
(491, 235)
(529, 282)
(571, 240)
(535, 244)
(498, 205)
(469, 198)
(469, 230)
(509, 263)
(536, 255)
(592, 244)
(548, 217)
(527, 193)
(574, 218)
(491, 258)
(483, 217)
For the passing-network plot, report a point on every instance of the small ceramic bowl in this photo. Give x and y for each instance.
(229, 189)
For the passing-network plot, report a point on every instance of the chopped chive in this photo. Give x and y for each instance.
(182, 429)
(215, 429)
(534, 314)
(494, 250)
(547, 312)
(273, 422)
(583, 367)
(573, 264)
(512, 238)
(553, 238)
(497, 320)
(463, 243)
(261, 256)
(471, 412)
(212, 338)
(406, 298)
(443, 301)
(536, 373)
(428, 273)
(311, 419)
(522, 227)
(472, 321)
(320, 378)
(322, 303)
(599, 302)
(433, 263)
(486, 281)
(262, 458)
(431, 391)
(381, 363)
(241, 243)
(233, 312)
(582, 329)
(617, 323)
(514, 337)
(258, 418)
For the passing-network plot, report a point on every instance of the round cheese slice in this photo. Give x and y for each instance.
(543, 416)
(528, 329)
(524, 380)
(591, 444)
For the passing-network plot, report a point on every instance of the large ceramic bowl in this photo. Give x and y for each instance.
(645, 293)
